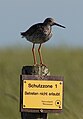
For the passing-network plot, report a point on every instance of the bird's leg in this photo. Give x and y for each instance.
(41, 60)
(34, 56)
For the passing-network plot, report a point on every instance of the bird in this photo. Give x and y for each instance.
(40, 33)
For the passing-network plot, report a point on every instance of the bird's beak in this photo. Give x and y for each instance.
(59, 25)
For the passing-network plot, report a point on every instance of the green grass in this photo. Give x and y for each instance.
(65, 62)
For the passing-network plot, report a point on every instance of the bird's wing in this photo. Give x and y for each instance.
(32, 30)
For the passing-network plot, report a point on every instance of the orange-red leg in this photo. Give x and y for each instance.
(34, 55)
(40, 55)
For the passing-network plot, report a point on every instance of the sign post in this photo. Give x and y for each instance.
(40, 93)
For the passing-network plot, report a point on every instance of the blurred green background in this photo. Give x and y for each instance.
(60, 61)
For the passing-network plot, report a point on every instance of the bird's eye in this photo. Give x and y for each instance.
(50, 20)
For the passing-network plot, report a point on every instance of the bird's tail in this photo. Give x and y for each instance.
(22, 34)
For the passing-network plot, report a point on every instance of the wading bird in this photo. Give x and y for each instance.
(40, 33)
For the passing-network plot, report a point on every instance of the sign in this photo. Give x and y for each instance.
(42, 94)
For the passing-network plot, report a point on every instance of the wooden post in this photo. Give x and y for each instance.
(34, 70)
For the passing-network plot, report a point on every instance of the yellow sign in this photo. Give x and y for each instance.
(42, 94)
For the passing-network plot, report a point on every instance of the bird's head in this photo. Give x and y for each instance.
(51, 22)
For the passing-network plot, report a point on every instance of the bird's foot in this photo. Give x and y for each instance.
(41, 64)
(36, 64)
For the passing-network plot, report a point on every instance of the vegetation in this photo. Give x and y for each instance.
(65, 62)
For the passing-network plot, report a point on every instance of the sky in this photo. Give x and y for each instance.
(18, 15)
